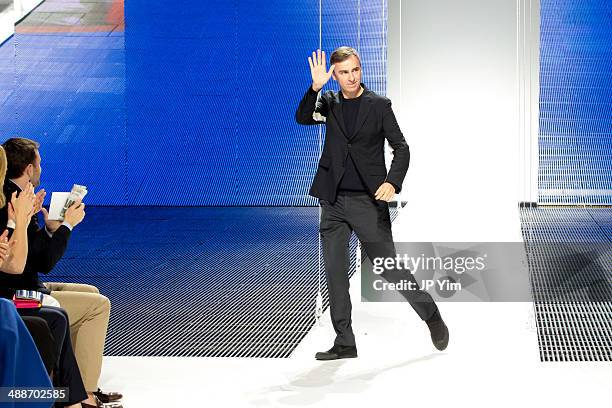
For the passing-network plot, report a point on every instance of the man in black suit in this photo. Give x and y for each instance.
(354, 187)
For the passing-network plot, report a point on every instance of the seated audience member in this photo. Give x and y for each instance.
(87, 311)
(20, 362)
(13, 255)
(66, 373)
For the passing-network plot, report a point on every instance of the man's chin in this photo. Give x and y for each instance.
(352, 88)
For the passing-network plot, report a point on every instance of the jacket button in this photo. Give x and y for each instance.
(349, 145)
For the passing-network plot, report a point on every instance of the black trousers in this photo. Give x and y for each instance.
(45, 343)
(67, 372)
(371, 222)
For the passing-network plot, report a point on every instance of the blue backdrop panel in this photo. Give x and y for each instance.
(211, 108)
(275, 157)
(576, 102)
(180, 102)
(68, 94)
(8, 117)
(193, 106)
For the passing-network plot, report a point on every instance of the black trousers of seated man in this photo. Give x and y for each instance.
(370, 220)
(44, 340)
(67, 372)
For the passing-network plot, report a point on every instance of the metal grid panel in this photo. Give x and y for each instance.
(574, 331)
(215, 282)
(570, 262)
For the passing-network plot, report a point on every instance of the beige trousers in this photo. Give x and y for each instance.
(88, 312)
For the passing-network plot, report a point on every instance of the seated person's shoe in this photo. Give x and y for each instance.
(106, 397)
(337, 352)
(438, 330)
(100, 404)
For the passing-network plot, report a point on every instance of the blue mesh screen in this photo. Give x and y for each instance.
(188, 103)
(8, 117)
(576, 102)
(211, 96)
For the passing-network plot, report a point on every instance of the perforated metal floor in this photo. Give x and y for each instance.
(206, 281)
(570, 261)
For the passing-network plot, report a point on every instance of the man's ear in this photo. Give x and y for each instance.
(29, 170)
(334, 76)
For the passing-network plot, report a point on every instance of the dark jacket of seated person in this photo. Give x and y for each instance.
(44, 251)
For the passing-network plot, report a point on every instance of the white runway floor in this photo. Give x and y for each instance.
(492, 361)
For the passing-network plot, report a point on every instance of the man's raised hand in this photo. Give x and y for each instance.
(318, 70)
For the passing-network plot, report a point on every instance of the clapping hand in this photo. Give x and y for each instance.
(5, 247)
(22, 207)
(51, 225)
(40, 198)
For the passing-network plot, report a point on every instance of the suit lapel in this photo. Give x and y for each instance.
(337, 111)
(364, 110)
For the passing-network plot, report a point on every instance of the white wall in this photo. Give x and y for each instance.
(23, 7)
(7, 19)
(528, 57)
(452, 77)
(12, 14)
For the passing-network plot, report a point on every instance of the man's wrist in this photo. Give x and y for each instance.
(68, 225)
(52, 226)
(314, 88)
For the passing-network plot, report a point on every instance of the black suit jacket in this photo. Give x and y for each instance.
(375, 123)
(43, 251)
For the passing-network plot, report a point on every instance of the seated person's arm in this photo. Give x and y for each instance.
(45, 251)
(20, 209)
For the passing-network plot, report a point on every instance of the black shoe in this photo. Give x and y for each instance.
(106, 397)
(337, 352)
(100, 404)
(438, 330)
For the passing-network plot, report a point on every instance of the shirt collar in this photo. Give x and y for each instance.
(13, 181)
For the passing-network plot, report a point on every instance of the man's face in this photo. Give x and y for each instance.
(348, 74)
(34, 170)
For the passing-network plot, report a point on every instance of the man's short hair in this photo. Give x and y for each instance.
(342, 54)
(20, 152)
